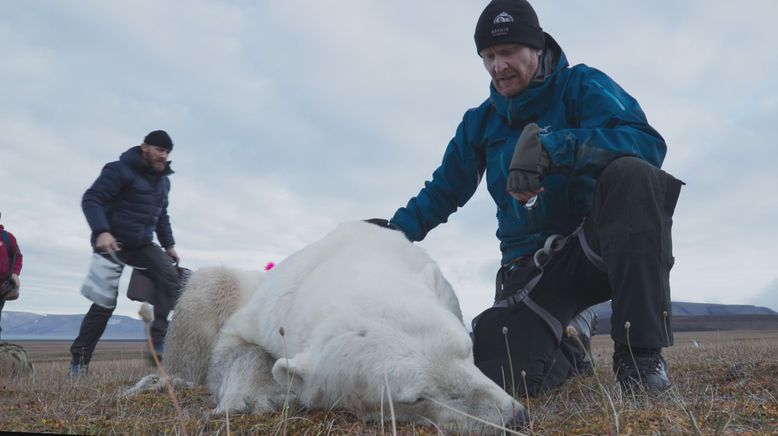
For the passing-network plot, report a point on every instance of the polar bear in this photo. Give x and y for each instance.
(354, 321)
(211, 296)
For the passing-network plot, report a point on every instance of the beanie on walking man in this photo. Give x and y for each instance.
(159, 138)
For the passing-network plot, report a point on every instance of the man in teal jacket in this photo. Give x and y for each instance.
(583, 210)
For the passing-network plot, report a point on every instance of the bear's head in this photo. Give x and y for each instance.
(419, 370)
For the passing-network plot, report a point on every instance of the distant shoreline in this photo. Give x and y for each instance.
(708, 323)
(64, 339)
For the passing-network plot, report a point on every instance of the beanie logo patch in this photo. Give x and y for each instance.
(502, 17)
(500, 31)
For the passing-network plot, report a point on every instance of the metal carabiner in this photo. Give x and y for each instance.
(548, 249)
(532, 202)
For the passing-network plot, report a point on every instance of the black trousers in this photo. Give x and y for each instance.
(2, 304)
(629, 229)
(160, 269)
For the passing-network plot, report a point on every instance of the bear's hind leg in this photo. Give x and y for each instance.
(240, 379)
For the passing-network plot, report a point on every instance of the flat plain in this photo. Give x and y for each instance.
(723, 383)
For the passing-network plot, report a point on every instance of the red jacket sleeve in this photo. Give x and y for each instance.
(17, 267)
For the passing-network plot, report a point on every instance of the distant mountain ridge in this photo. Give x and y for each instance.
(699, 309)
(705, 317)
(25, 325)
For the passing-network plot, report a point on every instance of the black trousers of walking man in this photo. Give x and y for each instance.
(160, 269)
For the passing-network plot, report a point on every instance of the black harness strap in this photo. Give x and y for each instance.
(553, 244)
(593, 257)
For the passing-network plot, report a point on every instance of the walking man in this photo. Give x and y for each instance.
(124, 207)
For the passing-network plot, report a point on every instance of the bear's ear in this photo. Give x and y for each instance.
(442, 288)
(291, 373)
(432, 276)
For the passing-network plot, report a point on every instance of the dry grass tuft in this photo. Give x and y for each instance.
(728, 384)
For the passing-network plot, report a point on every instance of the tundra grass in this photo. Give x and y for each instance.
(723, 383)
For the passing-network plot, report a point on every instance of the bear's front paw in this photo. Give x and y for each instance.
(243, 405)
(232, 406)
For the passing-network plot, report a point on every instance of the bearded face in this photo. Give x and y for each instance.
(154, 157)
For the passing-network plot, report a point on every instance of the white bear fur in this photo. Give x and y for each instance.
(336, 325)
(212, 295)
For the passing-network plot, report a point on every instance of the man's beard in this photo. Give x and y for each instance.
(155, 166)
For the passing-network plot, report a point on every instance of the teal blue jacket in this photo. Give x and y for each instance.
(586, 121)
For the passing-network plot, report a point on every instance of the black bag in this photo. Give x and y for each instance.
(141, 287)
(8, 289)
(514, 340)
(513, 345)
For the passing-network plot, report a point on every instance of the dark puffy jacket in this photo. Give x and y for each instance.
(586, 122)
(129, 200)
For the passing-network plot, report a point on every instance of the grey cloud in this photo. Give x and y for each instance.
(289, 117)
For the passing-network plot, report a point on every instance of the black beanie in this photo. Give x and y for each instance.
(508, 21)
(159, 138)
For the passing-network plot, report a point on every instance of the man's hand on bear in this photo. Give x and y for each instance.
(380, 222)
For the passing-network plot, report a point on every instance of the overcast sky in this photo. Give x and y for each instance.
(289, 117)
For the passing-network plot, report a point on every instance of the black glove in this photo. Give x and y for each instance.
(380, 222)
(530, 162)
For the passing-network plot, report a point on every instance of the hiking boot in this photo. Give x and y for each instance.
(584, 325)
(585, 322)
(78, 370)
(643, 368)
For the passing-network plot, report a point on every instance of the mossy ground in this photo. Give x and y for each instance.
(727, 383)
